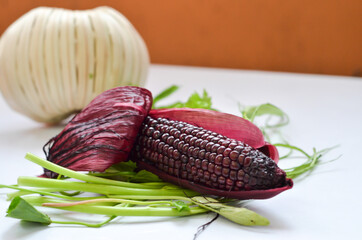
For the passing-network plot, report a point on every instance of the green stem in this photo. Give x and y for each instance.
(112, 174)
(295, 172)
(70, 194)
(46, 192)
(286, 155)
(117, 211)
(292, 147)
(241, 216)
(100, 188)
(130, 174)
(80, 176)
(165, 93)
(108, 200)
(148, 197)
(94, 225)
(25, 191)
(161, 185)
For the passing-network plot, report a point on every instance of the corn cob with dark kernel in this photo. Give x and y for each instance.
(204, 158)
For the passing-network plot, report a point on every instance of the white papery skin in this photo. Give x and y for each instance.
(54, 61)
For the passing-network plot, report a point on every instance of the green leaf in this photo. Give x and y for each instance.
(251, 112)
(238, 215)
(128, 166)
(194, 101)
(197, 101)
(243, 216)
(21, 209)
(145, 176)
(165, 93)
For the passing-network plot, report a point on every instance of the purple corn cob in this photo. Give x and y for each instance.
(205, 161)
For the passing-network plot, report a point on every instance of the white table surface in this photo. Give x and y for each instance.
(324, 111)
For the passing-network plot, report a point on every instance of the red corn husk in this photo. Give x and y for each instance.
(242, 195)
(103, 133)
(223, 123)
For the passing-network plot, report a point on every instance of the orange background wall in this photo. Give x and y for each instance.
(309, 36)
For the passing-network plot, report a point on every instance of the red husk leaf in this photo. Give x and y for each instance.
(271, 151)
(242, 195)
(223, 123)
(103, 133)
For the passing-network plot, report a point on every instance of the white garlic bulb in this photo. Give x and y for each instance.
(53, 61)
